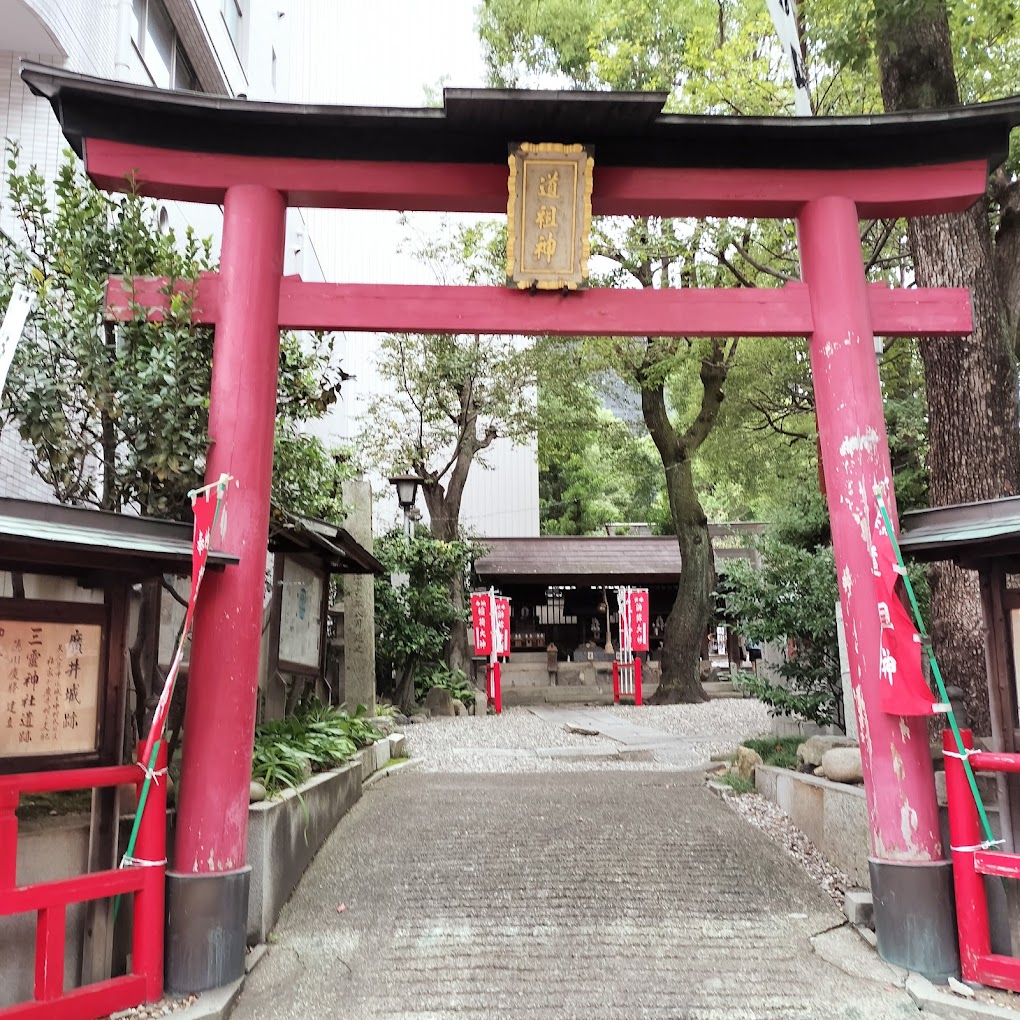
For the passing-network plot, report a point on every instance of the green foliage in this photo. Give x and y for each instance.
(414, 619)
(288, 751)
(737, 783)
(779, 751)
(440, 675)
(308, 476)
(132, 398)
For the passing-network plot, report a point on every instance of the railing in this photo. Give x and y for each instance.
(627, 681)
(973, 858)
(143, 877)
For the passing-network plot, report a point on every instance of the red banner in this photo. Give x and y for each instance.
(904, 690)
(637, 619)
(481, 622)
(205, 505)
(502, 625)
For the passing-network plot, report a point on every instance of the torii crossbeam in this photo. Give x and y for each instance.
(258, 158)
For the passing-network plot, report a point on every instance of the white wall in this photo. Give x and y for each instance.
(82, 36)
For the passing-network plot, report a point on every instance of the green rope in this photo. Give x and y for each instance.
(936, 672)
(142, 798)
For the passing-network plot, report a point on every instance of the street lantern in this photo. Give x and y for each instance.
(407, 490)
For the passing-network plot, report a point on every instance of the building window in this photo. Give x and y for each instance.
(160, 48)
(233, 15)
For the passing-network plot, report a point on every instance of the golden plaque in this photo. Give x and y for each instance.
(548, 216)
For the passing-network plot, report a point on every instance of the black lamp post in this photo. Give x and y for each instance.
(407, 492)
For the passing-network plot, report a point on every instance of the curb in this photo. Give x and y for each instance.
(383, 773)
(929, 998)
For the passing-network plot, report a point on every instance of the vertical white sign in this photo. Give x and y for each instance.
(12, 328)
(784, 17)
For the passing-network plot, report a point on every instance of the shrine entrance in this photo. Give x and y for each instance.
(256, 159)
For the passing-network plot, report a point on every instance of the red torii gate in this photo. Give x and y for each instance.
(257, 159)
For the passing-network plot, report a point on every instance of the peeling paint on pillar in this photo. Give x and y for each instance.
(898, 772)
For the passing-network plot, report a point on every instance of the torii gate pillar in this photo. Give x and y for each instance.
(911, 882)
(208, 888)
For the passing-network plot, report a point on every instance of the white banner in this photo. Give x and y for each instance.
(12, 328)
(784, 17)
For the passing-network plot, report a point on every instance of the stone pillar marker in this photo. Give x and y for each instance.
(359, 603)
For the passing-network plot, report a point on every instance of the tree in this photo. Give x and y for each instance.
(710, 57)
(116, 416)
(414, 619)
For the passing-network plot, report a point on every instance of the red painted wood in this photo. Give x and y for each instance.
(212, 812)
(94, 886)
(996, 863)
(452, 187)
(96, 1000)
(998, 971)
(150, 901)
(899, 781)
(992, 761)
(69, 779)
(50, 931)
(968, 886)
(736, 311)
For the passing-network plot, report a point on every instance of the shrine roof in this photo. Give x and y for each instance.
(48, 538)
(967, 533)
(588, 560)
(334, 546)
(476, 126)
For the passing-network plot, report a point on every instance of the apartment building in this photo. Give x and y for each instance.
(223, 47)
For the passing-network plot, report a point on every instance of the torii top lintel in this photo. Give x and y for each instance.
(193, 146)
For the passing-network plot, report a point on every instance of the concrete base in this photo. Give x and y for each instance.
(834, 816)
(915, 916)
(206, 922)
(284, 835)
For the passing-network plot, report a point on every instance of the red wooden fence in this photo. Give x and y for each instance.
(973, 858)
(145, 880)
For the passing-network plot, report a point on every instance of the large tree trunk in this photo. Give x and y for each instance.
(971, 383)
(444, 523)
(692, 610)
(691, 614)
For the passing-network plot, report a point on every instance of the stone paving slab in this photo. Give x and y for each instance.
(603, 896)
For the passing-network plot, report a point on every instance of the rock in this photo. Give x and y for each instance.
(439, 702)
(581, 730)
(811, 751)
(820, 772)
(747, 761)
(481, 702)
(399, 720)
(256, 792)
(459, 708)
(843, 765)
(385, 724)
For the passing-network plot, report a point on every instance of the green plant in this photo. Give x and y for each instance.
(737, 783)
(288, 751)
(780, 751)
(439, 675)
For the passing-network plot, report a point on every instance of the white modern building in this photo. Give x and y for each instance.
(303, 51)
(224, 47)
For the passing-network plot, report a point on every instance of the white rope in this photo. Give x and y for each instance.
(986, 845)
(152, 774)
(137, 862)
(967, 752)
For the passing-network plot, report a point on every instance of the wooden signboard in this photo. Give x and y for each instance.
(302, 620)
(50, 687)
(548, 216)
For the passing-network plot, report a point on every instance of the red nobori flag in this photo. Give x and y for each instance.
(481, 622)
(904, 690)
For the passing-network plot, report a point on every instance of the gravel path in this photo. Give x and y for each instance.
(520, 741)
